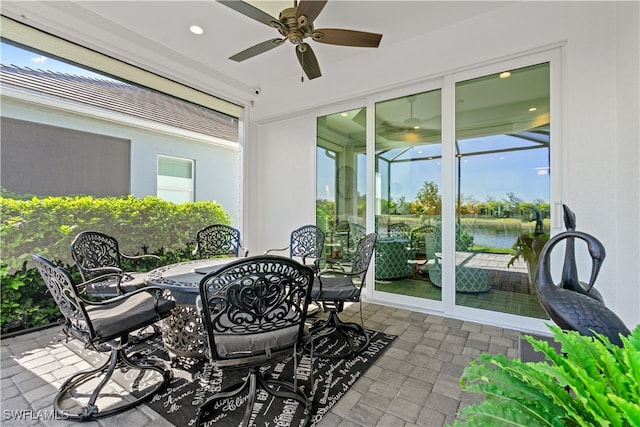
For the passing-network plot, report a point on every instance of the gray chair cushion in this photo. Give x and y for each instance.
(250, 344)
(334, 289)
(128, 314)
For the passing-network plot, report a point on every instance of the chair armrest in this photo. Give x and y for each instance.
(268, 251)
(246, 251)
(117, 276)
(134, 258)
(125, 296)
(329, 261)
(104, 271)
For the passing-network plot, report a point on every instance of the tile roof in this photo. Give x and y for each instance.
(123, 98)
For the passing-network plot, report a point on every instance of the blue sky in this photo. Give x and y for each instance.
(12, 55)
(524, 173)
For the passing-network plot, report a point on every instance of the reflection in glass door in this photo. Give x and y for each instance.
(503, 188)
(341, 181)
(408, 150)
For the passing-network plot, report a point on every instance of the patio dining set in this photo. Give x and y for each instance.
(225, 307)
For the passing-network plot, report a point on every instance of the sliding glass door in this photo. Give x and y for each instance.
(502, 194)
(408, 177)
(341, 181)
(459, 189)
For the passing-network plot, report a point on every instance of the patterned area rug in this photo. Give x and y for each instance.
(195, 381)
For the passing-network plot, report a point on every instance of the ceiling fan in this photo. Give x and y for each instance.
(296, 24)
(410, 129)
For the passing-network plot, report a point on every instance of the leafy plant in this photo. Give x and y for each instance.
(591, 383)
(529, 246)
(25, 301)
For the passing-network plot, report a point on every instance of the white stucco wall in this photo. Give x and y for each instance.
(600, 116)
(216, 167)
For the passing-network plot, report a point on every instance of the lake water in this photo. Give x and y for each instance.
(495, 237)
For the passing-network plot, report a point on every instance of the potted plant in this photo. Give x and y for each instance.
(590, 382)
(528, 246)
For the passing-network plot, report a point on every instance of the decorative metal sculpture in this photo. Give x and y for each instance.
(570, 278)
(574, 310)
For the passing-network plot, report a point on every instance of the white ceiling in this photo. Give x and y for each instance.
(155, 35)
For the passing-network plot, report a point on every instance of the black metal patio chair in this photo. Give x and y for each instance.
(104, 326)
(305, 243)
(253, 310)
(332, 288)
(219, 240)
(97, 254)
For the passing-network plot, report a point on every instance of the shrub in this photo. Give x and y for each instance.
(26, 301)
(592, 383)
(48, 225)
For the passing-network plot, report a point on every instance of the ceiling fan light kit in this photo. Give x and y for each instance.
(296, 24)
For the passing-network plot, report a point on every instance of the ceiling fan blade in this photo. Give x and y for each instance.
(256, 50)
(308, 62)
(346, 37)
(251, 11)
(310, 8)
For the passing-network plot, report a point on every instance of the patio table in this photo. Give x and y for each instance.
(183, 332)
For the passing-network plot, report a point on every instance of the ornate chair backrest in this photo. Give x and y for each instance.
(418, 236)
(252, 300)
(362, 256)
(356, 232)
(217, 240)
(92, 250)
(65, 293)
(307, 240)
(400, 230)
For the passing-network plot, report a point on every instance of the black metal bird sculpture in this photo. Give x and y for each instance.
(570, 278)
(572, 310)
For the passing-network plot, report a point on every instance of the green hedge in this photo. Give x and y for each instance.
(48, 225)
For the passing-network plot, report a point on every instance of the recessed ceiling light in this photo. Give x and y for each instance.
(532, 109)
(196, 29)
(505, 75)
(344, 114)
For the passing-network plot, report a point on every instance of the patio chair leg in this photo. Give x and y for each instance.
(117, 358)
(333, 325)
(254, 380)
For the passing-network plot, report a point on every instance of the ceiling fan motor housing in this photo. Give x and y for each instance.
(295, 30)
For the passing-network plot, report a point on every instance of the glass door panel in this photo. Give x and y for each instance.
(341, 181)
(408, 150)
(502, 187)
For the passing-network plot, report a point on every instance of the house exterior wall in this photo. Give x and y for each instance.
(216, 167)
(599, 158)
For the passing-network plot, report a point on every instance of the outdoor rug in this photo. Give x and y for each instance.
(195, 381)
